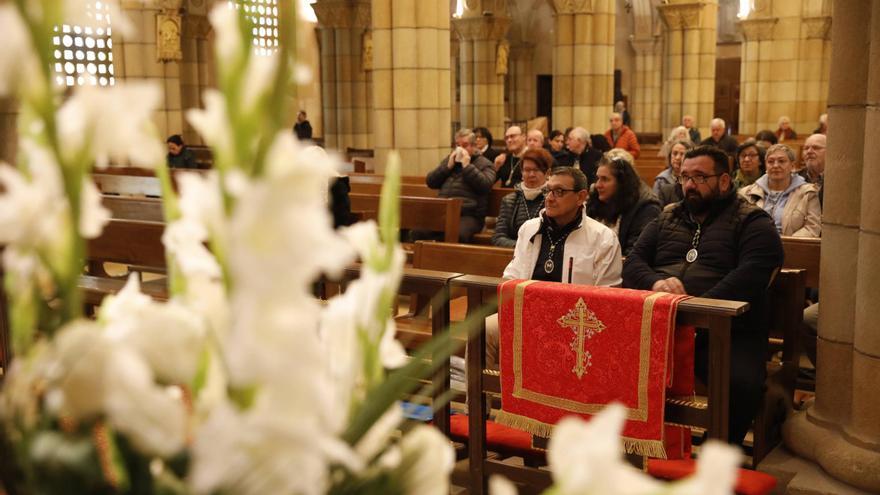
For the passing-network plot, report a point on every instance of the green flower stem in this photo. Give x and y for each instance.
(171, 213)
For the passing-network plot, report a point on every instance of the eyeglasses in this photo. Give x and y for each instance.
(698, 179)
(511, 136)
(558, 192)
(751, 156)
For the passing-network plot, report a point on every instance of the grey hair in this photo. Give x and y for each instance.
(466, 133)
(581, 134)
(716, 121)
(783, 148)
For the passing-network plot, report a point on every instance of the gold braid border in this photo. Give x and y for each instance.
(649, 448)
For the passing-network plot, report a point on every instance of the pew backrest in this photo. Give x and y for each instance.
(434, 214)
(131, 242)
(134, 208)
(463, 258)
(803, 253)
(128, 185)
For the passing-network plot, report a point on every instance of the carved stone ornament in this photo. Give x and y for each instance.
(343, 13)
(168, 38)
(481, 28)
(367, 50)
(681, 15)
(502, 54)
(818, 27)
(573, 6)
(646, 46)
(760, 29)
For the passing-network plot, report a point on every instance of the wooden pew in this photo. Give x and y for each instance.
(134, 208)
(130, 242)
(805, 253)
(465, 258)
(128, 185)
(436, 214)
(710, 314)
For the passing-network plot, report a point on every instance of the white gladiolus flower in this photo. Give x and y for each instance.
(169, 336)
(17, 49)
(716, 471)
(201, 202)
(499, 485)
(212, 122)
(376, 438)
(227, 42)
(81, 13)
(32, 209)
(93, 216)
(91, 374)
(259, 76)
(428, 459)
(586, 457)
(115, 122)
(185, 239)
(265, 450)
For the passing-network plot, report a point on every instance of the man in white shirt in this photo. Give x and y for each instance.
(562, 244)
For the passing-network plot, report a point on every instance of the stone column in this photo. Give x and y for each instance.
(754, 108)
(454, 78)
(346, 49)
(522, 105)
(194, 79)
(841, 430)
(411, 83)
(583, 64)
(689, 75)
(785, 65)
(646, 102)
(484, 62)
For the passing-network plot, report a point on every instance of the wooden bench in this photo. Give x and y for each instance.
(128, 185)
(805, 253)
(134, 208)
(136, 243)
(434, 214)
(710, 314)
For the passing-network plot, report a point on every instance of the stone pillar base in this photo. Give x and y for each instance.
(798, 476)
(830, 449)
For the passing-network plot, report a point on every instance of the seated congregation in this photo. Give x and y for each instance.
(710, 221)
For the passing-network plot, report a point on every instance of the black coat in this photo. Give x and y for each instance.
(637, 218)
(588, 162)
(472, 184)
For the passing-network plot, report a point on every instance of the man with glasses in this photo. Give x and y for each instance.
(508, 168)
(715, 244)
(562, 244)
(814, 161)
(580, 154)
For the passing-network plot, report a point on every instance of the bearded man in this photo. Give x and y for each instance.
(715, 244)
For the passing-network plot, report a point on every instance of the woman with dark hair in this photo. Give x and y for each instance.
(179, 156)
(766, 138)
(620, 199)
(666, 185)
(484, 144)
(750, 164)
(527, 199)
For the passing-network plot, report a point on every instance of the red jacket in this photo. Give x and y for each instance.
(627, 141)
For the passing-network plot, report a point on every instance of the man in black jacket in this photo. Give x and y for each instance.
(466, 175)
(579, 154)
(715, 244)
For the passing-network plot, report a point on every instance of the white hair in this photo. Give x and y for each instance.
(717, 122)
(581, 134)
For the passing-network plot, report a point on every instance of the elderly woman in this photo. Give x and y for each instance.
(526, 200)
(785, 132)
(792, 202)
(680, 133)
(620, 199)
(750, 164)
(668, 178)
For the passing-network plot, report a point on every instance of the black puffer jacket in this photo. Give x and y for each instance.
(637, 218)
(739, 251)
(472, 184)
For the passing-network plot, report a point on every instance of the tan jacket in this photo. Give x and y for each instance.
(802, 216)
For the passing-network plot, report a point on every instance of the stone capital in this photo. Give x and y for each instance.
(481, 28)
(572, 6)
(479, 8)
(343, 13)
(758, 29)
(818, 27)
(679, 16)
(646, 46)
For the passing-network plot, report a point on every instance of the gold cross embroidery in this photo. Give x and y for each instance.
(584, 324)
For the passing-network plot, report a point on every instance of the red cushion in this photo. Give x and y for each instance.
(748, 482)
(497, 436)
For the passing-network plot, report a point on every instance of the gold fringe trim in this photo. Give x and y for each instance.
(649, 448)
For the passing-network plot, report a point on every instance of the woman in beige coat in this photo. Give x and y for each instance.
(789, 199)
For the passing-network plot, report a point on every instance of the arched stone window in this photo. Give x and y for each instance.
(84, 54)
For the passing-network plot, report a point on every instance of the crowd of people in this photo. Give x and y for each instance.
(710, 226)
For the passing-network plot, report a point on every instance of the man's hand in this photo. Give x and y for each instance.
(499, 160)
(451, 161)
(672, 285)
(465, 158)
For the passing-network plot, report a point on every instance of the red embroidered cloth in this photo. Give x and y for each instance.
(570, 349)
